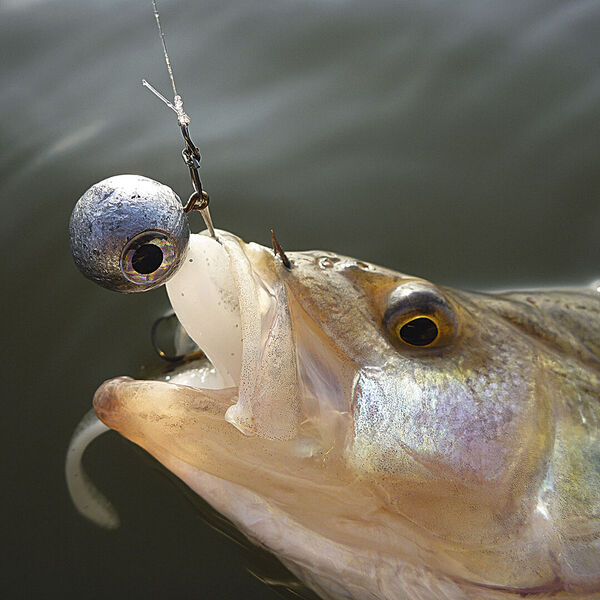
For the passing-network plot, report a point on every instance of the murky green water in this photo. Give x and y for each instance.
(454, 140)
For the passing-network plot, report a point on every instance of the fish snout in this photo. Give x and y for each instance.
(107, 400)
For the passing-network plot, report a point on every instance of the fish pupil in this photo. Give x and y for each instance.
(147, 258)
(419, 332)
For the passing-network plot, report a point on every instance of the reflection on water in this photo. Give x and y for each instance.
(458, 141)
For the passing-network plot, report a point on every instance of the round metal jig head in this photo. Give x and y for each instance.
(129, 233)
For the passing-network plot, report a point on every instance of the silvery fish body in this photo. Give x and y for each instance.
(384, 437)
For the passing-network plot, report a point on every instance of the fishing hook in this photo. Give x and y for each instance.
(277, 249)
(169, 357)
(199, 199)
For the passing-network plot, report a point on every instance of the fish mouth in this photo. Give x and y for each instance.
(248, 413)
(247, 432)
(241, 422)
(231, 299)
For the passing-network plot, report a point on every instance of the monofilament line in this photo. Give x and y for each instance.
(164, 47)
(159, 95)
(177, 104)
(191, 155)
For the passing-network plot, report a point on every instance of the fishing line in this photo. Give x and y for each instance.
(199, 199)
(164, 46)
(191, 155)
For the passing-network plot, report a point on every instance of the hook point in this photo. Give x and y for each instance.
(277, 249)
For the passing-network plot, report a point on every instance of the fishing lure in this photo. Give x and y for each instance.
(129, 233)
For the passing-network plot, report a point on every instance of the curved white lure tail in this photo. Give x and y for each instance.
(88, 500)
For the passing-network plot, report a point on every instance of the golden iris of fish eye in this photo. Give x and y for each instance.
(402, 324)
(157, 239)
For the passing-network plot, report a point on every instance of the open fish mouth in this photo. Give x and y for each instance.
(247, 413)
(232, 426)
(230, 299)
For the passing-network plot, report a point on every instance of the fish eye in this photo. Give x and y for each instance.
(419, 331)
(129, 233)
(418, 315)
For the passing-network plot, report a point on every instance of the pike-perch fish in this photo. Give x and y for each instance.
(385, 437)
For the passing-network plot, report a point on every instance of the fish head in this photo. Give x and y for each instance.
(453, 415)
(352, 416)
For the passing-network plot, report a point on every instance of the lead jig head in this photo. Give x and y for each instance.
(129, 233)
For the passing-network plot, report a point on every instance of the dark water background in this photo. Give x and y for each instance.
(454, 140)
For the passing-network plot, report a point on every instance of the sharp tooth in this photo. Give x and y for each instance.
(205, 300)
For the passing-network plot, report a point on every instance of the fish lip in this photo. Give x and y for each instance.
(120, 400)
(106, 401)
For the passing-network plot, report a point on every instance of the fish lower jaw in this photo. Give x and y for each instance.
(316, 561)
(330, 568)
(201, 375)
